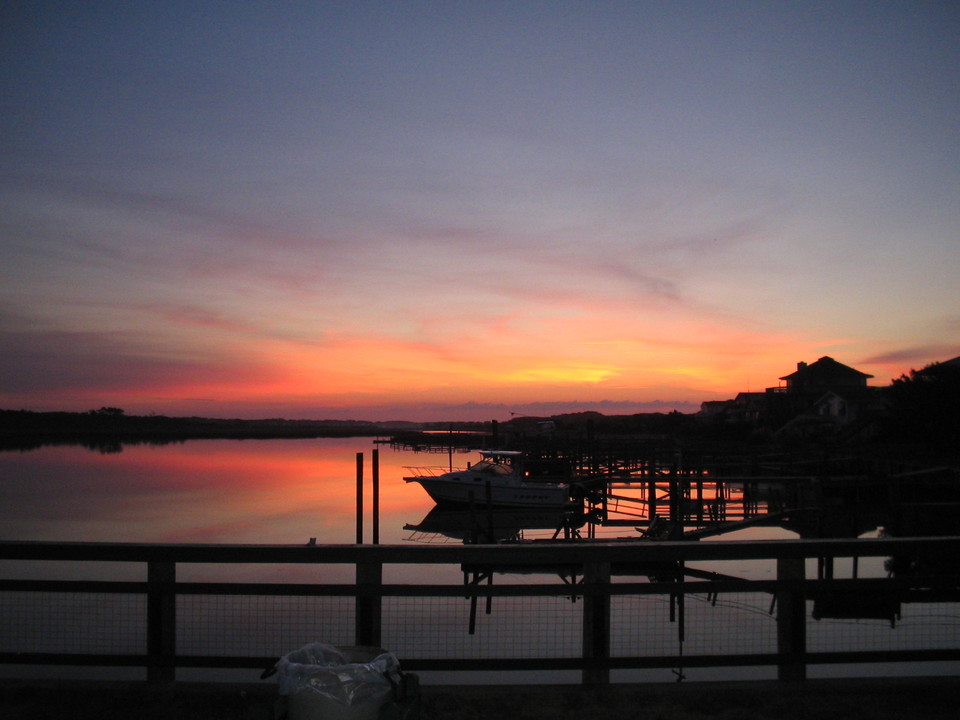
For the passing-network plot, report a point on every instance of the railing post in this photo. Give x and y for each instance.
(791, 619)
(596, 622)
(359, 498)
(369, 600)
(376, 498)
(161, 621)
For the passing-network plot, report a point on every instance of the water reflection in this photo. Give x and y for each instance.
(288, 491)
(490, 525)
(222, 491)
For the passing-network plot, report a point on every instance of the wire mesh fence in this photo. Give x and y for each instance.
(532, 618)
(260, 626)
(73, 623)
(440, 627)
(918, 626)
(516, 627)
(725, 624)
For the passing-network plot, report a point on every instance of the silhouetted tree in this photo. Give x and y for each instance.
(925, 405)
(108, 412)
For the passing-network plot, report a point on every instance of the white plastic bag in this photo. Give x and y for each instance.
(318, 673)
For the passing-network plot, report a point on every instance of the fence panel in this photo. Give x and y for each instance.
(540, 606)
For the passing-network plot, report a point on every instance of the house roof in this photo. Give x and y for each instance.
(823, 370)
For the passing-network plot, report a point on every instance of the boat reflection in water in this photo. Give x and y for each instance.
(491, 525)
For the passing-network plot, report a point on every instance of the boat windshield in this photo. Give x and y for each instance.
(492, 468)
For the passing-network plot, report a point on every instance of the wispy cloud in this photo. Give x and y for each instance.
(344, 205)
(915, 357)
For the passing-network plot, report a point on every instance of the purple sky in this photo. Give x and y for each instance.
(453, 209)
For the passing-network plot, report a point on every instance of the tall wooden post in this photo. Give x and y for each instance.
(161, 621)
(359, 498)
(369, 599)
(369, 576)
(674, 495)
(376, 497)
(596, 623)
(791, 620)
(700, 497)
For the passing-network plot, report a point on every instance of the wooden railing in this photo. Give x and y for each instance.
(596, 573)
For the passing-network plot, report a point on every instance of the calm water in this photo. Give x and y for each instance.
(247, 491)
(289, 491)
(206, 491)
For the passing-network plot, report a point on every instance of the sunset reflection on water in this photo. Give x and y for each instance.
(206, 491)
(292, 491)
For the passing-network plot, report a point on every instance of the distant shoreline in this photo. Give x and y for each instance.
(108, 428)
(20, 429)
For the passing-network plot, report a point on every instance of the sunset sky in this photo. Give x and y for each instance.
(462, 210)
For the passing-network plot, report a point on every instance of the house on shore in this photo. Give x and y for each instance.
(817, 399)
(824, 375)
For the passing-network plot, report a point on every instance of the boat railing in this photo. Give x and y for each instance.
(428, 471)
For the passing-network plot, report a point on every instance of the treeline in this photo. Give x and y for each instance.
(924, 406)
(103, 428)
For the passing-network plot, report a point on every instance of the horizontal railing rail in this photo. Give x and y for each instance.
(596, 579)
(532, 553)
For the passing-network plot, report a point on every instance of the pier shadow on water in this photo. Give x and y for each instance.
(664, 505)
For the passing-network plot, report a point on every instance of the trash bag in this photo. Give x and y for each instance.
(351, 677)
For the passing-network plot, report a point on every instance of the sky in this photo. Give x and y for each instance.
(470, 210)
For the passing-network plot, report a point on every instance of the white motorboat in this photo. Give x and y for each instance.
(495, 480)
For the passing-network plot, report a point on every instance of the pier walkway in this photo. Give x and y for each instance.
(861, 699)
